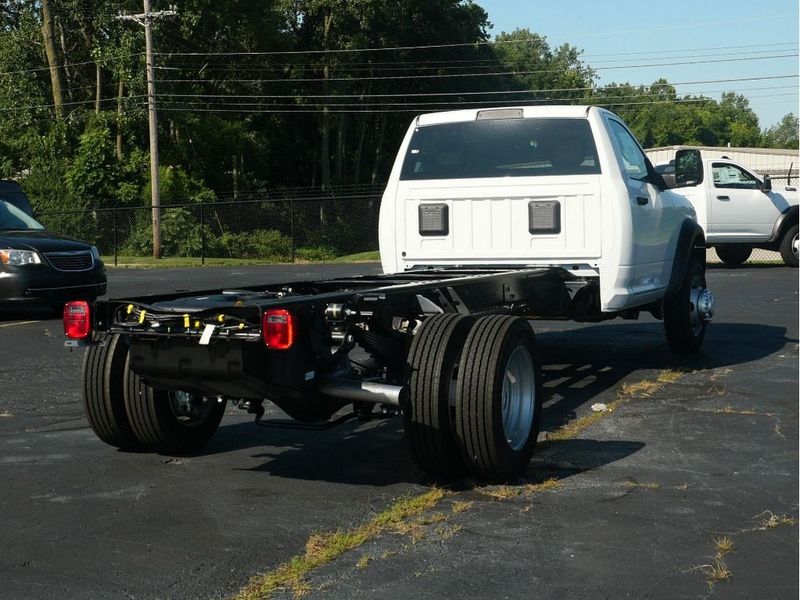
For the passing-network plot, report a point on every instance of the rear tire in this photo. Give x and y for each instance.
(429, 427)
(167, 421)
(789, 247)
(498, 398)
(103, 384)
(734, 255)
(683, 323)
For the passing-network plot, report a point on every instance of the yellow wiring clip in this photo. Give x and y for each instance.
(130, 308)
(186, 322)
(241, 325)
(221, 318)
(197, 324)
(142, 316)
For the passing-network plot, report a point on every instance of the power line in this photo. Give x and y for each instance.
(465, 75)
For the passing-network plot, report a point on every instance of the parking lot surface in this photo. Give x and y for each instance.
(686, 488)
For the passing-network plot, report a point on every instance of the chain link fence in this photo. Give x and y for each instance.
(305, 225)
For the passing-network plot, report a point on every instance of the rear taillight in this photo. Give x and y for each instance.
(277, 329)
(77, 320)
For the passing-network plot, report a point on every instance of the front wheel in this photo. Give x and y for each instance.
(170, 421)
(789, 247)
(688, 311)
(734, 255)
(498, 398)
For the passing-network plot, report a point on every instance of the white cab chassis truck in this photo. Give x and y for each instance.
(738, 208)
(491, 218)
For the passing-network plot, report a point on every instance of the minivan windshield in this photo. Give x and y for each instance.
(12, 218)
(502, 148)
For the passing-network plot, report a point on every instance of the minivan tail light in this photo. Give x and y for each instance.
(77, 319)
(277, 329)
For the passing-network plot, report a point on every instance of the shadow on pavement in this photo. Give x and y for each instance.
(578, 365)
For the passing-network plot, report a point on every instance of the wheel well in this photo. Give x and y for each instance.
(691, 245)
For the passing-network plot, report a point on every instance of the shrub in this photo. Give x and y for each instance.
(316, 253)
(265, 244)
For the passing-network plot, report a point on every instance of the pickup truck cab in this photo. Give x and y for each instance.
(491, 218)
(738, 208)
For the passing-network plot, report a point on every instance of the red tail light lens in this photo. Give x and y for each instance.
(77, 319)
(277, 329)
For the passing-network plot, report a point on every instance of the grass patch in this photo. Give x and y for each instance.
(173, 262)
(724, 545)
(627, 392)
(460, 506)
(325, 547)
(364, 561)
(502, 492)
(644, 485)
(4, 414)
(716, 572)
(773, 521)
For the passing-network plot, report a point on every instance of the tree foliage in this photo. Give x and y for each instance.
(266, 95)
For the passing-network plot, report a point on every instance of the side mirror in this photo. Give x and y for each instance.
(767, 185)
(688, 168)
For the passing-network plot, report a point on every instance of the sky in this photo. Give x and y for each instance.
(725, 39)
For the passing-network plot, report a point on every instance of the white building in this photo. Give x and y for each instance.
(778, 164)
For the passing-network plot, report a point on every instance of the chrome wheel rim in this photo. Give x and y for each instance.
(518, 397)
(190, 410)
(794, 245)
(696, 319)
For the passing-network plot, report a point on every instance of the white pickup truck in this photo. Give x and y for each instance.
(738, 208)
(491, 218)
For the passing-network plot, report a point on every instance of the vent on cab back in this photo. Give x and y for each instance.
(433, 219)
(544, 217)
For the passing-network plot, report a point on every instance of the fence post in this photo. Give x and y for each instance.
(291, 221)
(114, 220)
(202, 233)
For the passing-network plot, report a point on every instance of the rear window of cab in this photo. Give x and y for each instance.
(501, 148)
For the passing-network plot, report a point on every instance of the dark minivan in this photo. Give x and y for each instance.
(38, 266)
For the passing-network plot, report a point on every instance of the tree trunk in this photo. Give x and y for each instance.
(99, 94)
(340, 146)
(378, 149)
(120, 91)
(325, 207)
(52, 58)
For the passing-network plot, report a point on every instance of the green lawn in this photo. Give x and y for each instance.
(148, 262)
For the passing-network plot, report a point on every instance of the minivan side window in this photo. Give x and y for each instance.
(632, 156)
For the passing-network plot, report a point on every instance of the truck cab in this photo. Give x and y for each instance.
(555, 186)
(738, 208)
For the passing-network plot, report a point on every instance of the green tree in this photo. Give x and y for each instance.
(784, 134)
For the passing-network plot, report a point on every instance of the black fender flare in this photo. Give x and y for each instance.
(786, 219)
(691, 242)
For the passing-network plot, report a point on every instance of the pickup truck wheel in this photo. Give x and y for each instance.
(789, 247)
(498, 398)
(734, 254)
(688, 311)
(170, 421)
(433, 361)
(103, 386)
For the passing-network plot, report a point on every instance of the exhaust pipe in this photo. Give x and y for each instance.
(365, 391)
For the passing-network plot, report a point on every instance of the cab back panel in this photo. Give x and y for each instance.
(492, 222)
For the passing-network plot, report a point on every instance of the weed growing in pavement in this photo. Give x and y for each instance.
(325, 547)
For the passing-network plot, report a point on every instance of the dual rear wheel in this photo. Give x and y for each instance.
(475, 396)
(127, 413)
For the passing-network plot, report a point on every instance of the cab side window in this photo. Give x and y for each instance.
(632, 156)
(732, 177)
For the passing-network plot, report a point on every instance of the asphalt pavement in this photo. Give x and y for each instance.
(637, 503)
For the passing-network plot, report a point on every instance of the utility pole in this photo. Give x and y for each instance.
(146, 20)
